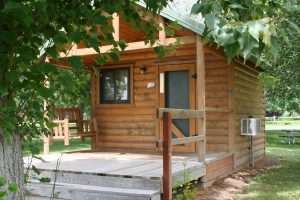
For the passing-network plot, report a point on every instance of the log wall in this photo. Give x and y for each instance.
(135, 125)
(249, 101)
(216, 80)
(131, 125)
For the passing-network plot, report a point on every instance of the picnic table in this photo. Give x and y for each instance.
(289, 134)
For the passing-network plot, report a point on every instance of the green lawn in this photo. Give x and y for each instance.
(57, 147)
(282, 181)
(283, 121)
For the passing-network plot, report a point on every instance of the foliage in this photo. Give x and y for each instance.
(246, 28)
(75, 90)
(185, 190)
(282, 76)
(32, 30)
(282, 181)
(5, 188)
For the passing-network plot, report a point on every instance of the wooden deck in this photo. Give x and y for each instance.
(119, 164)
(117, 171)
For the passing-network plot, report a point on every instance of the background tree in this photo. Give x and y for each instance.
(282, 76)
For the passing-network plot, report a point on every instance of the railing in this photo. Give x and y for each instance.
(167, 114)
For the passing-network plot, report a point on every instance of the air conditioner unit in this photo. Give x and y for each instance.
(250, 126)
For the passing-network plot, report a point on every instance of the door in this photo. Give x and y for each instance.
(177, 90)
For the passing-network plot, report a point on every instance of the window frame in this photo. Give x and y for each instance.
(101, 92)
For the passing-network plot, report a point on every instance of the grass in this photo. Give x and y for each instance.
(57, 147)
(283, 181)
(282, 121)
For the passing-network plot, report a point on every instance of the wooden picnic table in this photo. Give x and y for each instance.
(289, 136)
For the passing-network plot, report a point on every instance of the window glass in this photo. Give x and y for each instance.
(108, 86)
(121, 85)
(115, 86)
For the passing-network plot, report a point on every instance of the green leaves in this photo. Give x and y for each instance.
(102, 59)
(2, 181)
(4, 86)
(247, 28)
(248, 44)
(19, 11)
(211, 21)
(13, 187)
(52, 52)
(44, 92)
(122, 44)
(12, 75)
(294, 26)
(75, 62)
(256, 28)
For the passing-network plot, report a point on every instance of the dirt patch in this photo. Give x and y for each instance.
(236, 183)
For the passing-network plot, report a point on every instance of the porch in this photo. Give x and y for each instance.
(118, 175)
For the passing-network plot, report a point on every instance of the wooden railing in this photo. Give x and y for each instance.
(74, 115)
(167, 114)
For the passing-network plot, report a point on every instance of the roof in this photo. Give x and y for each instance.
(184, 18)
(190, 21)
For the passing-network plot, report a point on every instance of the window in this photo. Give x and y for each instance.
(115, 86)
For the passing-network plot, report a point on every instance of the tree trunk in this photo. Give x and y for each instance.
(11, 164)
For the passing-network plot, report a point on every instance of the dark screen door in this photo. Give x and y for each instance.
(179, 92)
(177, 96)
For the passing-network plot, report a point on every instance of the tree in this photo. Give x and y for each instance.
(32, 30)
(246, 28)
(282, 76)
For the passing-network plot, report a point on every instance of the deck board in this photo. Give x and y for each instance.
(143, 165)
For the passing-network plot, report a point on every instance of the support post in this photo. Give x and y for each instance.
(201, 97)
(47, 138)
(116, 25)
(167, 156)
(66, 132)
(161, 34)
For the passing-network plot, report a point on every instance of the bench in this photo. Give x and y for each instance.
(65, 120)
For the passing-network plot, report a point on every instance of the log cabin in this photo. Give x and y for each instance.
(127, 96)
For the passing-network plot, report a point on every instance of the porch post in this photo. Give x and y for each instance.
(200, 68)
(116, 25)
(167, 156)
(46, 138)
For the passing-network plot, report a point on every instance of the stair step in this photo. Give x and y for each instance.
(89, 192)
(103, 180)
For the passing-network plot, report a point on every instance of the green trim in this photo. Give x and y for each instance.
(180, 19)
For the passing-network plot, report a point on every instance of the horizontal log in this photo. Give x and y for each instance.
(216, 109)
(181, 113)
(185, 140)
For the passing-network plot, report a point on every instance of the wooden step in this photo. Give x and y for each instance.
(105, 180)
(87, 192)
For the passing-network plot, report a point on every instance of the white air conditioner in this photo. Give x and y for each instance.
(250, 126)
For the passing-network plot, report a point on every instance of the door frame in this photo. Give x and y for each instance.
(191, 67)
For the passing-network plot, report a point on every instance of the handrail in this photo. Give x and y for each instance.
(167, 114)
(181, 113)
(218, 110)
(185, 140)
